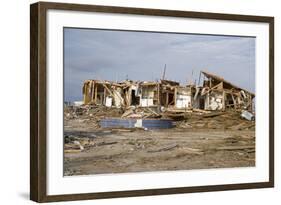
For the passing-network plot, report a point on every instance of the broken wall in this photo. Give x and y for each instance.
(118, 97)
(147, 96)
(183, 98)
(214, 100)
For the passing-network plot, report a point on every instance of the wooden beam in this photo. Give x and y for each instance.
(108, 90)
(167, 99)
(223, 100)
(175, 97)
(104, 96)
(121, 99)
(234, 102)
(92, 91)
(158, 94)
(96, 94)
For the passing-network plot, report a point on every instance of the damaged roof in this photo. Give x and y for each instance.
(229, 84)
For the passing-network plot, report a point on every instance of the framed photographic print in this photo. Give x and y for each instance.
(134, 102)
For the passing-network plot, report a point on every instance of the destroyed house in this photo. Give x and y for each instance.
(174, 95)
(131, 93)
(103, 93)
(122, 94)
(149, 94)
(219, 94)
(184, 97)
(215, 94)
(168, 93)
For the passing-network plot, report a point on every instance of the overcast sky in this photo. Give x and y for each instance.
(116, 55)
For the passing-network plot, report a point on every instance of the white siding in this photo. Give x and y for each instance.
(183, 101)
(146, 102)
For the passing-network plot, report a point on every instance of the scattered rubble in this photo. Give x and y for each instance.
(166, 148)
(158, 150)
(210, 126)
(221, 120)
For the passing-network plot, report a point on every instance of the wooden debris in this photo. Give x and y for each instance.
(247, 137)
(153, 112)
(236, 147)
(214, 114)
(72, 151)
(177, 110)
(175, 116)
(238, 127)
(106, 143)
(242, 126)
(166, 148)
(188, 150)
(122, 130)
(249, 126)
(74, 146)
(127, 113)
(200, 110)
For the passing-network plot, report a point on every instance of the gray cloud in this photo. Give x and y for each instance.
(113, 55)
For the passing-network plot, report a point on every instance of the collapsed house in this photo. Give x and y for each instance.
(215, 94)
(219, 94)
(103, 93)
(176, 96)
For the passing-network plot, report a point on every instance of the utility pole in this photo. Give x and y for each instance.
(199, 78)
(164, 72)
(191, 80)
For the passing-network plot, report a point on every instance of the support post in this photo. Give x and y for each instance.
(92, 91)
(167, 99)
(175, 97)
(158, 96)
(223, 100)
(96, 93)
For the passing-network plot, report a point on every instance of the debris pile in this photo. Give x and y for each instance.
(71, 112)
(90, 114)
(192, 119)
(78, 144)
(141, 112)
(216, 120)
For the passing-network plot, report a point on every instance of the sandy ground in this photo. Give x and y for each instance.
(123, 150)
